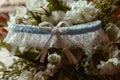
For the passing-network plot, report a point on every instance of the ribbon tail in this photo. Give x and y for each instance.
(43, 55)
(45, 48)
(68, 53)
(43, 52)
(70, 56)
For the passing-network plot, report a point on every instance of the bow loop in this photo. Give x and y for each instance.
(55, 31)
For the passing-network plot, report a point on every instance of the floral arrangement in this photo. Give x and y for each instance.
(55, 11)
(92, 53)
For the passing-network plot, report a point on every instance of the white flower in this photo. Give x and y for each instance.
(54, 58)
(35, 5)
(108, 67)
(74, 17)
(39, 76)
(26, 75)
(22, 49)
(50, 69)
(114, 61)
(107, 64)
(56, 16)
(80, 12)
(20, 12)
(44, 18)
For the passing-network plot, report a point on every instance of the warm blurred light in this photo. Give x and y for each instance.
(117, 14)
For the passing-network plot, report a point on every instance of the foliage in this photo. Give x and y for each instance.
(87, 67)
(57, 5)
(105, 7)
(17, 67)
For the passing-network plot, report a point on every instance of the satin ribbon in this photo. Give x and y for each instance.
(60, 42)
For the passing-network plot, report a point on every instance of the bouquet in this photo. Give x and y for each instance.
(64, 40)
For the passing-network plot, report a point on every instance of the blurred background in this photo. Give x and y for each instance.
(7, 7)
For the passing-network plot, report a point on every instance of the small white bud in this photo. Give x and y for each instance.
(50, 69)
(39, 76)
(44, 18)
(54, 58)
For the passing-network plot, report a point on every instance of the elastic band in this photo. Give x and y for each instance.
(81, 29)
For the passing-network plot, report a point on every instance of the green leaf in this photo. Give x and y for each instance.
(30, 56)
(57, 5)
(3, 67)
(3, 44)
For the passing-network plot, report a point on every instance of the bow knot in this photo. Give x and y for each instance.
(55, 32)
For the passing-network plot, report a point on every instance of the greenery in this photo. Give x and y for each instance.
(57, 5)
(17, 67)
(86, 68)
(105, 7)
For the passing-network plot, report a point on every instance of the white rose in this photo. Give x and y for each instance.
(80, 12)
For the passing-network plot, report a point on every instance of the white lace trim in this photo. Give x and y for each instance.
(38, 41)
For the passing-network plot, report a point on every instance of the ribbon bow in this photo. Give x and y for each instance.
(60, 42)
